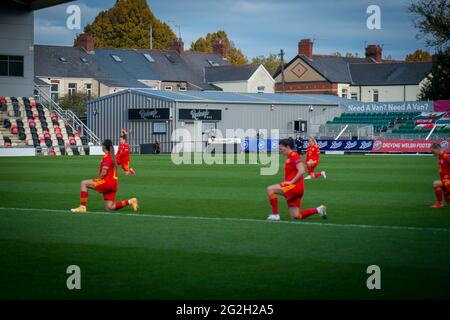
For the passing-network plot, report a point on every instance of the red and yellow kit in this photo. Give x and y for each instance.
(107, 185)
(293, 192)
(444, 170)
(123, 156)
(313, 153)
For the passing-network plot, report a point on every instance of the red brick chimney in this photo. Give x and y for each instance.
(375, 52)
(220, 47)
(177, 44)
(85, 41)
(305, 48)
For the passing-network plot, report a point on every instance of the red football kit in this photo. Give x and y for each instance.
(107, 185)
(123, 156)
(293, 192)
(313, 154)
(444, 167)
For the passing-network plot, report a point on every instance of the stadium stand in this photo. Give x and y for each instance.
(25, 122)
(382, 121)
(400, 125)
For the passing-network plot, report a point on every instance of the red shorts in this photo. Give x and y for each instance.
(314, 164)
(125, 165)
(293, 194)
(446, 189)
(108, 189)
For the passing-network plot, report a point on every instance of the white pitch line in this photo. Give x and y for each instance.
(150, 215)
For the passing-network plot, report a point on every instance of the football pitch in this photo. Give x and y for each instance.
(201, 234)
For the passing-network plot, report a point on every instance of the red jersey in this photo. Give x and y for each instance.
(313, 152)
(111, 174)
(444, 165)
(290, 168)
(123, 154)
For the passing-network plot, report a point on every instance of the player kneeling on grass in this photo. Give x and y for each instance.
(106, 183)
(123, 154)
(441, 186)
(312, 159)
(292, 188)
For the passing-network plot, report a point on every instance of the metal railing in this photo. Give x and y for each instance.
(68, 116)
(346, 131)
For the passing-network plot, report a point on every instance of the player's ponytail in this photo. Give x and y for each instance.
(110, 147)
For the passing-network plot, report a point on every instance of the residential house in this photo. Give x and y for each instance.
(368, 79)
(240, 78)
(101, 71)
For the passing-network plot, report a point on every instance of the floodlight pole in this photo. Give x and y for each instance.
(151, 37)
(282, 70)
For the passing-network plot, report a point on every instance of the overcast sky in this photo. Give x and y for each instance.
(260, 27)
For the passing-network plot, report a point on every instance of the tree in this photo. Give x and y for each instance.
(418, 56)
(127, 25)
(205, 44)
(437, 85)
(432, 18)
(75, 102)
(271, 62)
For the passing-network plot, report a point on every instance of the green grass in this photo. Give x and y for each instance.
(378, 214)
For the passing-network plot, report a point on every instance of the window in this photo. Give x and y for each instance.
(261, 89)
(116, 58)
(72, 88)
(376, 95)
(170, 58)
(168, 88)
(54, 91)
(354, 96)
(148, 57)
(88, 89)
(182, 89)
(344, 93)
(11, 66)
(159, 128)
(213, 63)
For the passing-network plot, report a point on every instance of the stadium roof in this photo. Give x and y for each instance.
(32, 5)
(235, 97)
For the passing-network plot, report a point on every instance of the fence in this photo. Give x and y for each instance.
(68, 116)
(344, 131)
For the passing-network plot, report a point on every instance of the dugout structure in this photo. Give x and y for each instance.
(153, 115)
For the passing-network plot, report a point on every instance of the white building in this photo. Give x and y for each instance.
(240, 78)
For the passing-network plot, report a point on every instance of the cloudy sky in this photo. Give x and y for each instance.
(261, 27)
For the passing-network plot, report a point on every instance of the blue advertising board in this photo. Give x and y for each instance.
(345, 145)
(271, 145)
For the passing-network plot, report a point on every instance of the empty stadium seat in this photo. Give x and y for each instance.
(381, 121)
(26, 122)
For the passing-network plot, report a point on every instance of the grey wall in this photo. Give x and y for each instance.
(250, 116)
(16, 38)
(106, 117)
